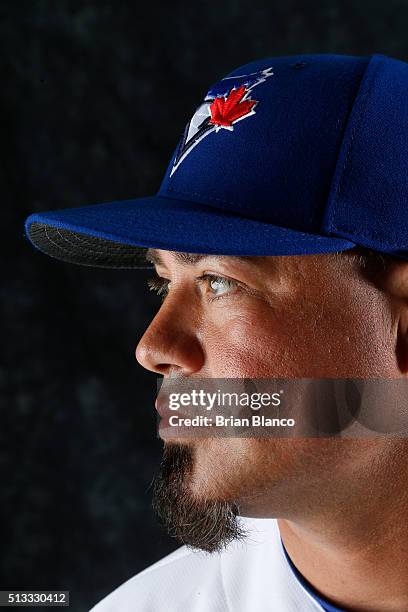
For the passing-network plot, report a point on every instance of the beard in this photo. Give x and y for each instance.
(206, 524)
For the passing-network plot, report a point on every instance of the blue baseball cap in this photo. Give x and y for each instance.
(289, 155)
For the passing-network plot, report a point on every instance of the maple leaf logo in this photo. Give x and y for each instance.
(224, 111)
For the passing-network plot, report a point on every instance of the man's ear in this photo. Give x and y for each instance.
(395, 283)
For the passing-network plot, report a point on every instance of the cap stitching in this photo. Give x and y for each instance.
(372, 236)
(253, 206)
(92, 253)
(85, 241)
(82, 247)
(341, 184)
(91, 250)
(207, 197)
(44, 227)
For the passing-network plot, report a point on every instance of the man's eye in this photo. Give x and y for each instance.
(218, 285)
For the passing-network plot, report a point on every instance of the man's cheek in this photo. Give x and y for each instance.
(257, 356)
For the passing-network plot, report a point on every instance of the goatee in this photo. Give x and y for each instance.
(206, 524)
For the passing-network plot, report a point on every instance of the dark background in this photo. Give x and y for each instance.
(94, 98)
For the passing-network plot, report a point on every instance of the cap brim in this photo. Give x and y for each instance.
(117, 234)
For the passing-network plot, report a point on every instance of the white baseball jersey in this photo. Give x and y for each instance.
(248, 576)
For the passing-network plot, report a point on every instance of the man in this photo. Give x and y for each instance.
(280, 242)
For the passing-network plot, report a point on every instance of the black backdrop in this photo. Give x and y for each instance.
(94, 98)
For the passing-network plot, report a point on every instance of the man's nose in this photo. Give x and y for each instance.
(171, 342)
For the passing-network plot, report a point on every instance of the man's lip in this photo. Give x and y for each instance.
(163, 409)
(162, 406)
(165, 413)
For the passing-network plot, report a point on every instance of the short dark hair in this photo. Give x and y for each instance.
(368, 259)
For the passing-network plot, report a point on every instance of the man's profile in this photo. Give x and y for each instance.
(279, 238)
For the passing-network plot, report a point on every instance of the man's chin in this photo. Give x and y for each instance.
(196, 521)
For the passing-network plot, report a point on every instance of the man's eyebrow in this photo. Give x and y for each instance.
(192, 258)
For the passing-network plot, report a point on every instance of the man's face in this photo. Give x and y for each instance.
(314, 316)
